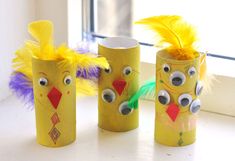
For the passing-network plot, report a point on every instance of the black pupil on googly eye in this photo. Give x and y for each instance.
(177, 81)
(184, 101)
(126, 111)
(162, 99)
(68, 81)
(42, 82)
(127, 71)
(166, 69)
(108, 97)
(192, 72)
(107, 70)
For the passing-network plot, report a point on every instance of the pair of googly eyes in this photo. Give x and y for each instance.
(126, 71)
(44, 82)
(191, 71)
(109, 96)
(184, 100)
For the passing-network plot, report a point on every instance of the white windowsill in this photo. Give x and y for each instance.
(215, 137)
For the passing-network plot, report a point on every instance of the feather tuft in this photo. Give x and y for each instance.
(203, 66)
(86, 87)
(91, 73)
(146, 90)
(22, 87)
(22, 62)
(42, 31)
(175, 34)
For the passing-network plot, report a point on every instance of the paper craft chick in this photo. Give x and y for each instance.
(46, 76)
(179, 71)
(117, 84)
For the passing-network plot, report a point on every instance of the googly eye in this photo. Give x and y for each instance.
(108, 71)
(108, 95)
(177, 78)
(127, 70)
(124, 109)
(166, 68)
(42, 81)
(163, 97)
(191, 71)
(195, 106)
(185, 99)
(199, 88)
(68, 80)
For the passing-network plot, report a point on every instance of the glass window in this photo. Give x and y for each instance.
(213, 20)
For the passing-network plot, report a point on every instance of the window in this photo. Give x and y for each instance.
(213, 20)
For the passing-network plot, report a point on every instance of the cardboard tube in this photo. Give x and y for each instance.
(176, 90)
(118, 84)
(55, 100)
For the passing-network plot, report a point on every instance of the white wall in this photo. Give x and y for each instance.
(14, 17)
(56, 11)
(74, 22)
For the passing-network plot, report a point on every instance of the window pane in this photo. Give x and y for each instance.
(213, 20)
(114, 17)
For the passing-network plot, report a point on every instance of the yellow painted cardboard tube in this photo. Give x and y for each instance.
(118, 84)
(55, 101)
(177, 88)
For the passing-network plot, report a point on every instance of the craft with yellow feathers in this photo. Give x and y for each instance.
(180, 70)
(46, 76)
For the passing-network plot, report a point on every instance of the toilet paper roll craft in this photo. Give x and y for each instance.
(118, 83)
(180, 69)
(45, 76)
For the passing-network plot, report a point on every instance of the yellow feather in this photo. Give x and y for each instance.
(203, 67)
(85, 61)
(43, 49)
(85, 87)
(175, 33)
(42, 31)
(23, 62)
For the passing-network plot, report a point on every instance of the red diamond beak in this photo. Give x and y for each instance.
(119, 85)
(173, 111)
(54, 96)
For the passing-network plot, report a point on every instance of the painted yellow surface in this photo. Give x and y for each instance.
(182, 131)
(66, 110)
(109, 116)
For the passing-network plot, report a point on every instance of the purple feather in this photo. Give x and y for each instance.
(22, 87)
(93, 71)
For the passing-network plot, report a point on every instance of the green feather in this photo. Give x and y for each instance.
(148, 89)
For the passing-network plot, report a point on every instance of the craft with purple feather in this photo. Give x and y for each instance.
(87, 69)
